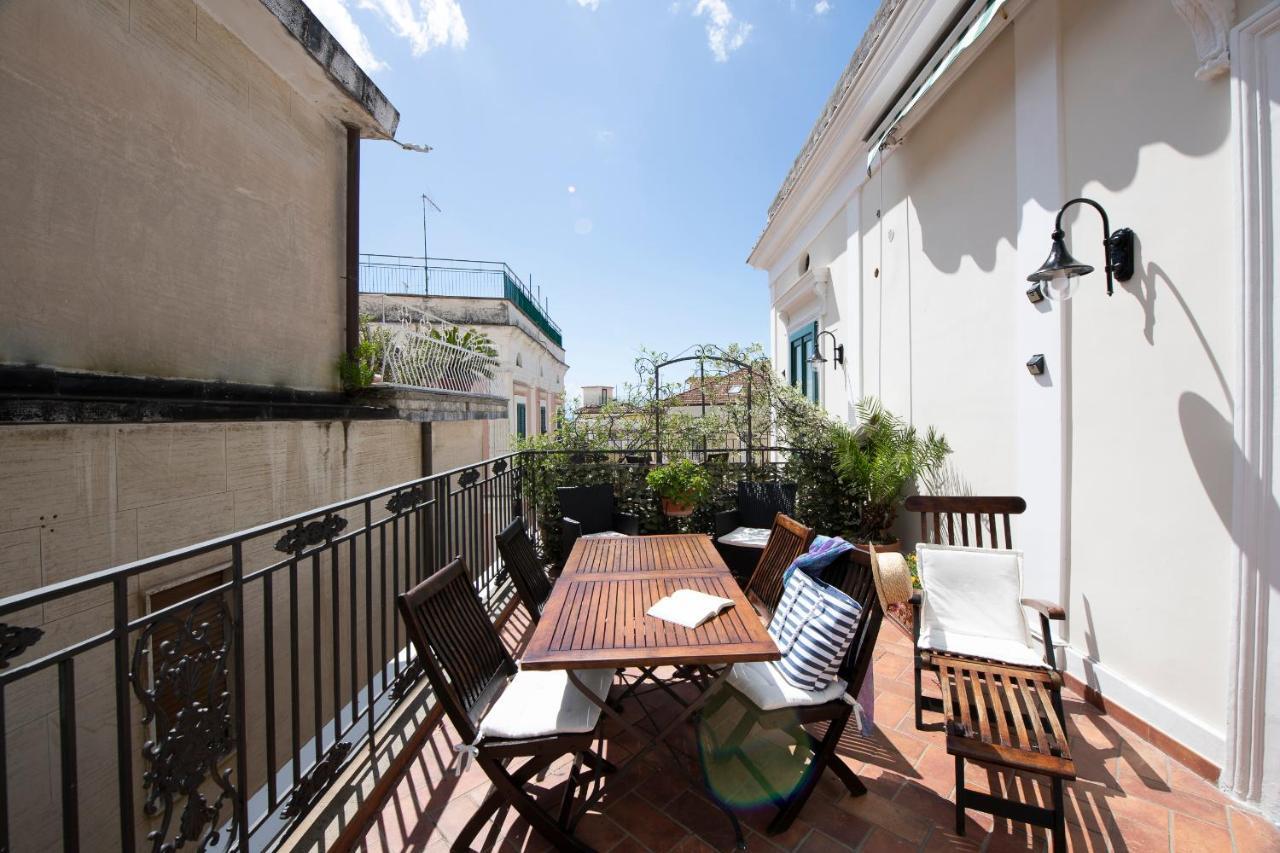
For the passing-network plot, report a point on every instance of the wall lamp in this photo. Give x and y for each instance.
(837, 350)
(1059, 276)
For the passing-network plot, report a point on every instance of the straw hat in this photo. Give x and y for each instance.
(892, 577)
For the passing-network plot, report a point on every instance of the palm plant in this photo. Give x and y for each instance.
(878, 459)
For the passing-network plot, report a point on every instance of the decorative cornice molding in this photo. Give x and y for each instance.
(1210, 22)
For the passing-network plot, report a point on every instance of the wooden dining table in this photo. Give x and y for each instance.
(596, 617)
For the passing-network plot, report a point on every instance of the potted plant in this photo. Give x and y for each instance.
(680, 485)
(877, 460)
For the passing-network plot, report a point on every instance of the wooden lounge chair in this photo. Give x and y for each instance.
(1001, 697)
(959, 520)
(468, 665)
(772, 703)
(788, 539)
(530, 580)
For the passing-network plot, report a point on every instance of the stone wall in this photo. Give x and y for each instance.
(165, 187)
(77, 499)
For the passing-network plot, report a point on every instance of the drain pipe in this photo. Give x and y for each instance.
(353, 241)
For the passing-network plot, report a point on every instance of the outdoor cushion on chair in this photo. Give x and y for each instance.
(972, 604)
(747, 537)
(763, 684)
(538, 703)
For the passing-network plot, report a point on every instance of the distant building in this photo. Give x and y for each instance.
(489, 297)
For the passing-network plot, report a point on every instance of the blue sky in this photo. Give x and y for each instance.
(673, 123)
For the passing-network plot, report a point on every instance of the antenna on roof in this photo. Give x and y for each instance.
(426, 280)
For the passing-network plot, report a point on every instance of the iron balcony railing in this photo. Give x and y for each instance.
(218, 720)
(218, 717)
(399, 274)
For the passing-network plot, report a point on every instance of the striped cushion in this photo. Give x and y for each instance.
(813, 627)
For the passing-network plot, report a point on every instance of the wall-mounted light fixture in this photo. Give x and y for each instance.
(837, 350)
(1059, 276)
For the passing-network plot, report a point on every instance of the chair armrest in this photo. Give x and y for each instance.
(916, 600)
(1045, 608)
(727, 522)
(570, 530)
(626, 522)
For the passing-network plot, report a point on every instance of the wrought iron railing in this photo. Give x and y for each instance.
(398, 274)
(218, 720)
(161, 715)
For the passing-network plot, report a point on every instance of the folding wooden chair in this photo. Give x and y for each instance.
(468, 665)
(533, 587)
(959, 520)
(773, 703)
(788, 539)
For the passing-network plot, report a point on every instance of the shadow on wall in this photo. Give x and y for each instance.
(963, 190)
(1144, 287)
(1206, 432)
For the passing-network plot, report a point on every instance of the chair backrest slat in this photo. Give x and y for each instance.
(459, 647)
(966, 506)
(527, 574)
(788, 539)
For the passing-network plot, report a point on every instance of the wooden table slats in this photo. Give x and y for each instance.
(596, 615)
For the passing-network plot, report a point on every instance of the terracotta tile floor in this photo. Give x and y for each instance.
(1129, 794)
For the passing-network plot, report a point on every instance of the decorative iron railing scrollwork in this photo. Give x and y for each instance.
(405, 681)
(499, 466)
(302, 536)
(316, 781)
(16, 639)
(407, 499)
(187, 699)
(468, 477)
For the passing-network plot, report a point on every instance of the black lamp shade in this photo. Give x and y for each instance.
(1059, 263)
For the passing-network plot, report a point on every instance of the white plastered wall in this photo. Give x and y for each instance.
(1124, 452)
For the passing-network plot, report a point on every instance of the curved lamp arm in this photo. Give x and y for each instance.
(1117, 247)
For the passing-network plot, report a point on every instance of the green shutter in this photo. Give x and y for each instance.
(520, 429)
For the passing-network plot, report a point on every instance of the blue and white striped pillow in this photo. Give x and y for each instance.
(813, 626)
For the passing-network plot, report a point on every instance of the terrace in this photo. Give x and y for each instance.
(326, 736)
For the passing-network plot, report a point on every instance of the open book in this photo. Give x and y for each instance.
(688, 607)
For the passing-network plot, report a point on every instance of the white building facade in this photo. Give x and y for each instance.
(922, 200)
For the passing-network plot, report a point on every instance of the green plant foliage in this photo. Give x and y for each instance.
(682, 482)
(357, 371)
(879, 459)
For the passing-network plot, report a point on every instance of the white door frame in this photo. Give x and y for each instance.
(1252, 769)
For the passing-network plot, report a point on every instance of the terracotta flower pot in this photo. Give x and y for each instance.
(676, 510)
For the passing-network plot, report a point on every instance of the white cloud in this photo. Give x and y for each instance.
(424, 24)
(337, 19)
(725, 34)
(589, 4)
(822, 7)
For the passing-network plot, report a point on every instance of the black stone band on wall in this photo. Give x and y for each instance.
(42, 395)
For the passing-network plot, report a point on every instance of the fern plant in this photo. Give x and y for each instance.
(878, 459)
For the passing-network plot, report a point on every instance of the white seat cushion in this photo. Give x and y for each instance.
(973, 604)
(763, 684)
(607, 534)
(538, 703)
(746, 537)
